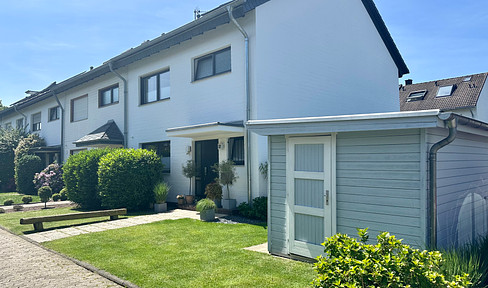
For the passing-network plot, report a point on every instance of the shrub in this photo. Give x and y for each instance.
(64, 194)
(27, 199)
(51, 176)
(259, 209)
(161, 191)
(26, 144)
(9, 140)
(227, 174)
(56, 197)
(127, 177)
(25, 169)
(45, 193)
(80, 175)
(350, 263)
(2, 210)
(18, 207)
(213, 191)
(8, 202)
(205, 204)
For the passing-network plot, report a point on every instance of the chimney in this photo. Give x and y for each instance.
(408, 82)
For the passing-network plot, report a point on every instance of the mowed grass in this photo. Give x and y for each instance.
(16, 197)
(186, 253)
(11, 221)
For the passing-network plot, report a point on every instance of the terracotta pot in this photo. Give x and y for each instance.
(189, 199)
(181, 201)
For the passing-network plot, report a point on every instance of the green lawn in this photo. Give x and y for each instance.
(16, 197)
(186, 253)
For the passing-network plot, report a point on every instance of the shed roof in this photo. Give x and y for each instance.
(107, 134)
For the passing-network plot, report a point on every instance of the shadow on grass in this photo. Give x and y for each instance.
(70, 225)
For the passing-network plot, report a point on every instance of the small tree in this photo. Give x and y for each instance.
(9, 140)
(45, 193)
(227, 174)
(189, 171)
(25, 169)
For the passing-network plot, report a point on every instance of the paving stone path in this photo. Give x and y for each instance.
(24, 264)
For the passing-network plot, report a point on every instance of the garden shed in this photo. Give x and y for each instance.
(422, 176)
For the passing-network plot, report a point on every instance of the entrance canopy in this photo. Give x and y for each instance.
(211, 130)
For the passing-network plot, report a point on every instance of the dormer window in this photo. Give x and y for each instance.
(416, 95)
(445, 91)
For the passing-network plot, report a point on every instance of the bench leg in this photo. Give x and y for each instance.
(38, 226)
(114, 217)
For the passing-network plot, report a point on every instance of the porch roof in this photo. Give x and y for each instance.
(210, 130)
(107, 134)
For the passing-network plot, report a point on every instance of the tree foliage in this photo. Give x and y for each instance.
(9, 140)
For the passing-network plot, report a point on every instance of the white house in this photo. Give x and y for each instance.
(188, 93)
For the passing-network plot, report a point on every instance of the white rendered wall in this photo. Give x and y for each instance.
(322, 57)
(482, 105)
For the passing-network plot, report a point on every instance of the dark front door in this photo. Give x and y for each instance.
(206, 155)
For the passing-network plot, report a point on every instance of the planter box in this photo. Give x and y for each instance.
(207, 215)
(158, 208)
(189, 199)
(181, 201)
(229, 204)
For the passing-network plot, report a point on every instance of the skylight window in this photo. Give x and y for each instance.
(445, 91)
(416, 96)
(467, 79)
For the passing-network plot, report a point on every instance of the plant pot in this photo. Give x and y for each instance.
(189, 199)
(181, 201)
(218, 202)
(158, 208)
(207, 215)
(229, 204)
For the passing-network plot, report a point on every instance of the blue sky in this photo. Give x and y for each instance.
(43, 41)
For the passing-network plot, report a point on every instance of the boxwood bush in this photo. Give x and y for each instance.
(80, 175)
(25, 169)
(127, 177)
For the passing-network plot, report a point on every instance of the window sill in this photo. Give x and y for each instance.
(157, 101)
(211, 76)
(107, 105)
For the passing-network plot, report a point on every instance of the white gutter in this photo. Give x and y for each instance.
(126, 97)
(248, 102)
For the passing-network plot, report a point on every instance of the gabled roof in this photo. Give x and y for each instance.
(108, 133)
(208, 21)
(465, 93)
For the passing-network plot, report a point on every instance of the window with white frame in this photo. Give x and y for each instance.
(236, 150)
(163, 149)
(213, 64)
(155, 87)
(79, 108)
(53, 113)
(109, 95)
(19, 123)
(36, 122)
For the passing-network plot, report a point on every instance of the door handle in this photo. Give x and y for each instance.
(326, 197)
(205, 171)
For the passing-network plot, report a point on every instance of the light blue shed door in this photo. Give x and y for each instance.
(308, 194)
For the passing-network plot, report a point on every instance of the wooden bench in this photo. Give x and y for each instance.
(37, 221)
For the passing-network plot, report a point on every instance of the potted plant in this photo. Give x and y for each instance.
(206, 207)
(227, 176)
(189, 171)
(213, 191)
(161, 191)
(181, 199)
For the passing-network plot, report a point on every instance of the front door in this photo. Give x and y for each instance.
(206, 155)
(308, 192)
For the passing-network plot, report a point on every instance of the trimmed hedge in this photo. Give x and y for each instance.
(25, 169)
(9, 140)
(127, 177)
(80, 175)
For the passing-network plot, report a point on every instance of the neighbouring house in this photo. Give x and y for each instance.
(466, 95)
(420, 175)
(188, 93)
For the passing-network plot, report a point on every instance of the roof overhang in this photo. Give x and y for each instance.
(46, 149)
(211, 130)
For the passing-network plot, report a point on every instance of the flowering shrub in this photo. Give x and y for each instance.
(51, 176)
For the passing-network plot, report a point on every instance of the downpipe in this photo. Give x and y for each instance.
(25, 117)
(451, 122)
(61, 156)
(126, 96)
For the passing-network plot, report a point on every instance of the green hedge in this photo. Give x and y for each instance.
(127, 178)
(25, 169)
(80, 175)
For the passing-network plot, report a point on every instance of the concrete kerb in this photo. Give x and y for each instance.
(85, 265)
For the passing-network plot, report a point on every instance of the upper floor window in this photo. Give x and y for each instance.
(36, 122)
(19, 123)
(212, 64)
(163, 149)
(109, 95)
(236, 150)
(155, 87)
(54, 113)
(79, 108)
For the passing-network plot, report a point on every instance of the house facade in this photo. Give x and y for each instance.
(188, 93)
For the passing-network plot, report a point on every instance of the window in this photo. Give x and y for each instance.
(54, 113)
(212, 64)
(155, 87)
(163, 149)
(445, 91)
(8, 125)
(236, 150)
(109, 95)
(467, 79)
(36, 122)
(417, 95)
(19, 123)
(79, 108)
